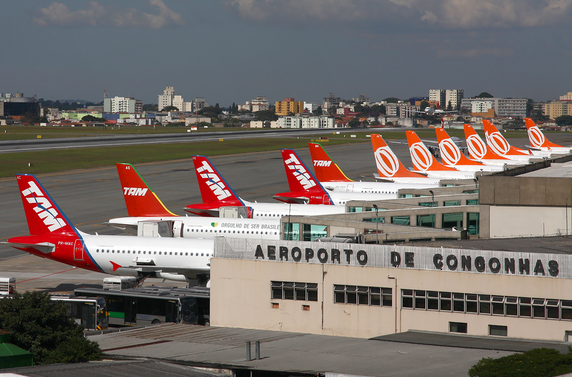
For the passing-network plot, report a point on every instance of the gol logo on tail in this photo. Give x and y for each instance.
(386, 161)
(450, 153)
(477, 147)
(497, 143)
(420, 156)
(536, 137)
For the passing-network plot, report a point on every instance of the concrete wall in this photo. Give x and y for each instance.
(241, 297)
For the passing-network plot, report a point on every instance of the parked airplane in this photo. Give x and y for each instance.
(216, 193)
(329, 174)
(499, 145)
(149, 216)
(305, 188)
(452, 156)
(389, 167)
(433, 111)
(540, 142)
(53, 236)
(424, 161)
(479, 151)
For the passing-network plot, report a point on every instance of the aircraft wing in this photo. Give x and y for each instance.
(42, 247)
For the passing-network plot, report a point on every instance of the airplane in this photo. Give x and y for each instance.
(499, 145)
(329, 174)
(452, 156)
(53, 236)
(305, 188)
(144, 207)
(540, 142)
(479, 151)
(390, 168)
(216, 193)
(433, 111)
(424, 161)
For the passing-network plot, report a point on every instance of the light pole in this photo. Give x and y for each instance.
(376, 224)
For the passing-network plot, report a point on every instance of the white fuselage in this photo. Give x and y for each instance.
(478, 168)
(447, 174)
(423, 181)
(164, 256)
(206, 227)
(277, 210)
(390, 190)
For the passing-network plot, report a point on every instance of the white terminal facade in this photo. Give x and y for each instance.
(363, 290)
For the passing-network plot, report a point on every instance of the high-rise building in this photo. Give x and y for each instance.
(166, 99)
(122, 105)
(289, 106)
(444, 97)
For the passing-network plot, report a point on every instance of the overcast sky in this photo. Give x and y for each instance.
(234, 50)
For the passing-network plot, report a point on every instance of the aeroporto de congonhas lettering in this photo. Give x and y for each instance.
(451, 262)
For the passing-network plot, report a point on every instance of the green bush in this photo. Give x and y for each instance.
(41, 326)
(539, 362)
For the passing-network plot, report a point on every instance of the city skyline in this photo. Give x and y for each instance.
(231, 51)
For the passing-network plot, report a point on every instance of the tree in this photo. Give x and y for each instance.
(354, 123)
(391, 100)
(42, 327)
(424, 105)
(484, 95)
(170, 108)
(564, 120)
(318, 111)
(536, 362)
(264, 115)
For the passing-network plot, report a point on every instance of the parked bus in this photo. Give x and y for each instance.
(144, 306)
(90, 312)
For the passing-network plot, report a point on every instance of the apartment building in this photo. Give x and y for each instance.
(289, 106)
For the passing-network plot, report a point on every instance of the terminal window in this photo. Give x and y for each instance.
(496, 305)
(288, 290)
(361, 295)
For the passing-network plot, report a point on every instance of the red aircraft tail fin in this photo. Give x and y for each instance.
(140, 200)
(325, 168)
(42, 213)
(214, 189)
(302, 183)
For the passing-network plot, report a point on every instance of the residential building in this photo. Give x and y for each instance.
(566, 97)
(555, 109)
(122, 105)
(331, 102)
(503, 107)
(166, 99)
(444, 97)
(258, 104)
(289, 106)
(306, 121)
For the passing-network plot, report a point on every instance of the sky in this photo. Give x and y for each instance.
(231, 51)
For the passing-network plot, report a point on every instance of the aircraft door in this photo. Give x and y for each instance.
(350, 188)
(78, 250)
(178, 229)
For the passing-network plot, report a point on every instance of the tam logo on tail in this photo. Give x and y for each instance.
(420, 156)
(386, 161)
(322, 163)
(135, 191)
(299, 171)
(213, 181)
(44, 208)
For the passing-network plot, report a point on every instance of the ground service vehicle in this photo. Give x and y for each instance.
(151, 305)
(90, 312)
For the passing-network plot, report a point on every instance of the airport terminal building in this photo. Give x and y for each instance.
(365, 290)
